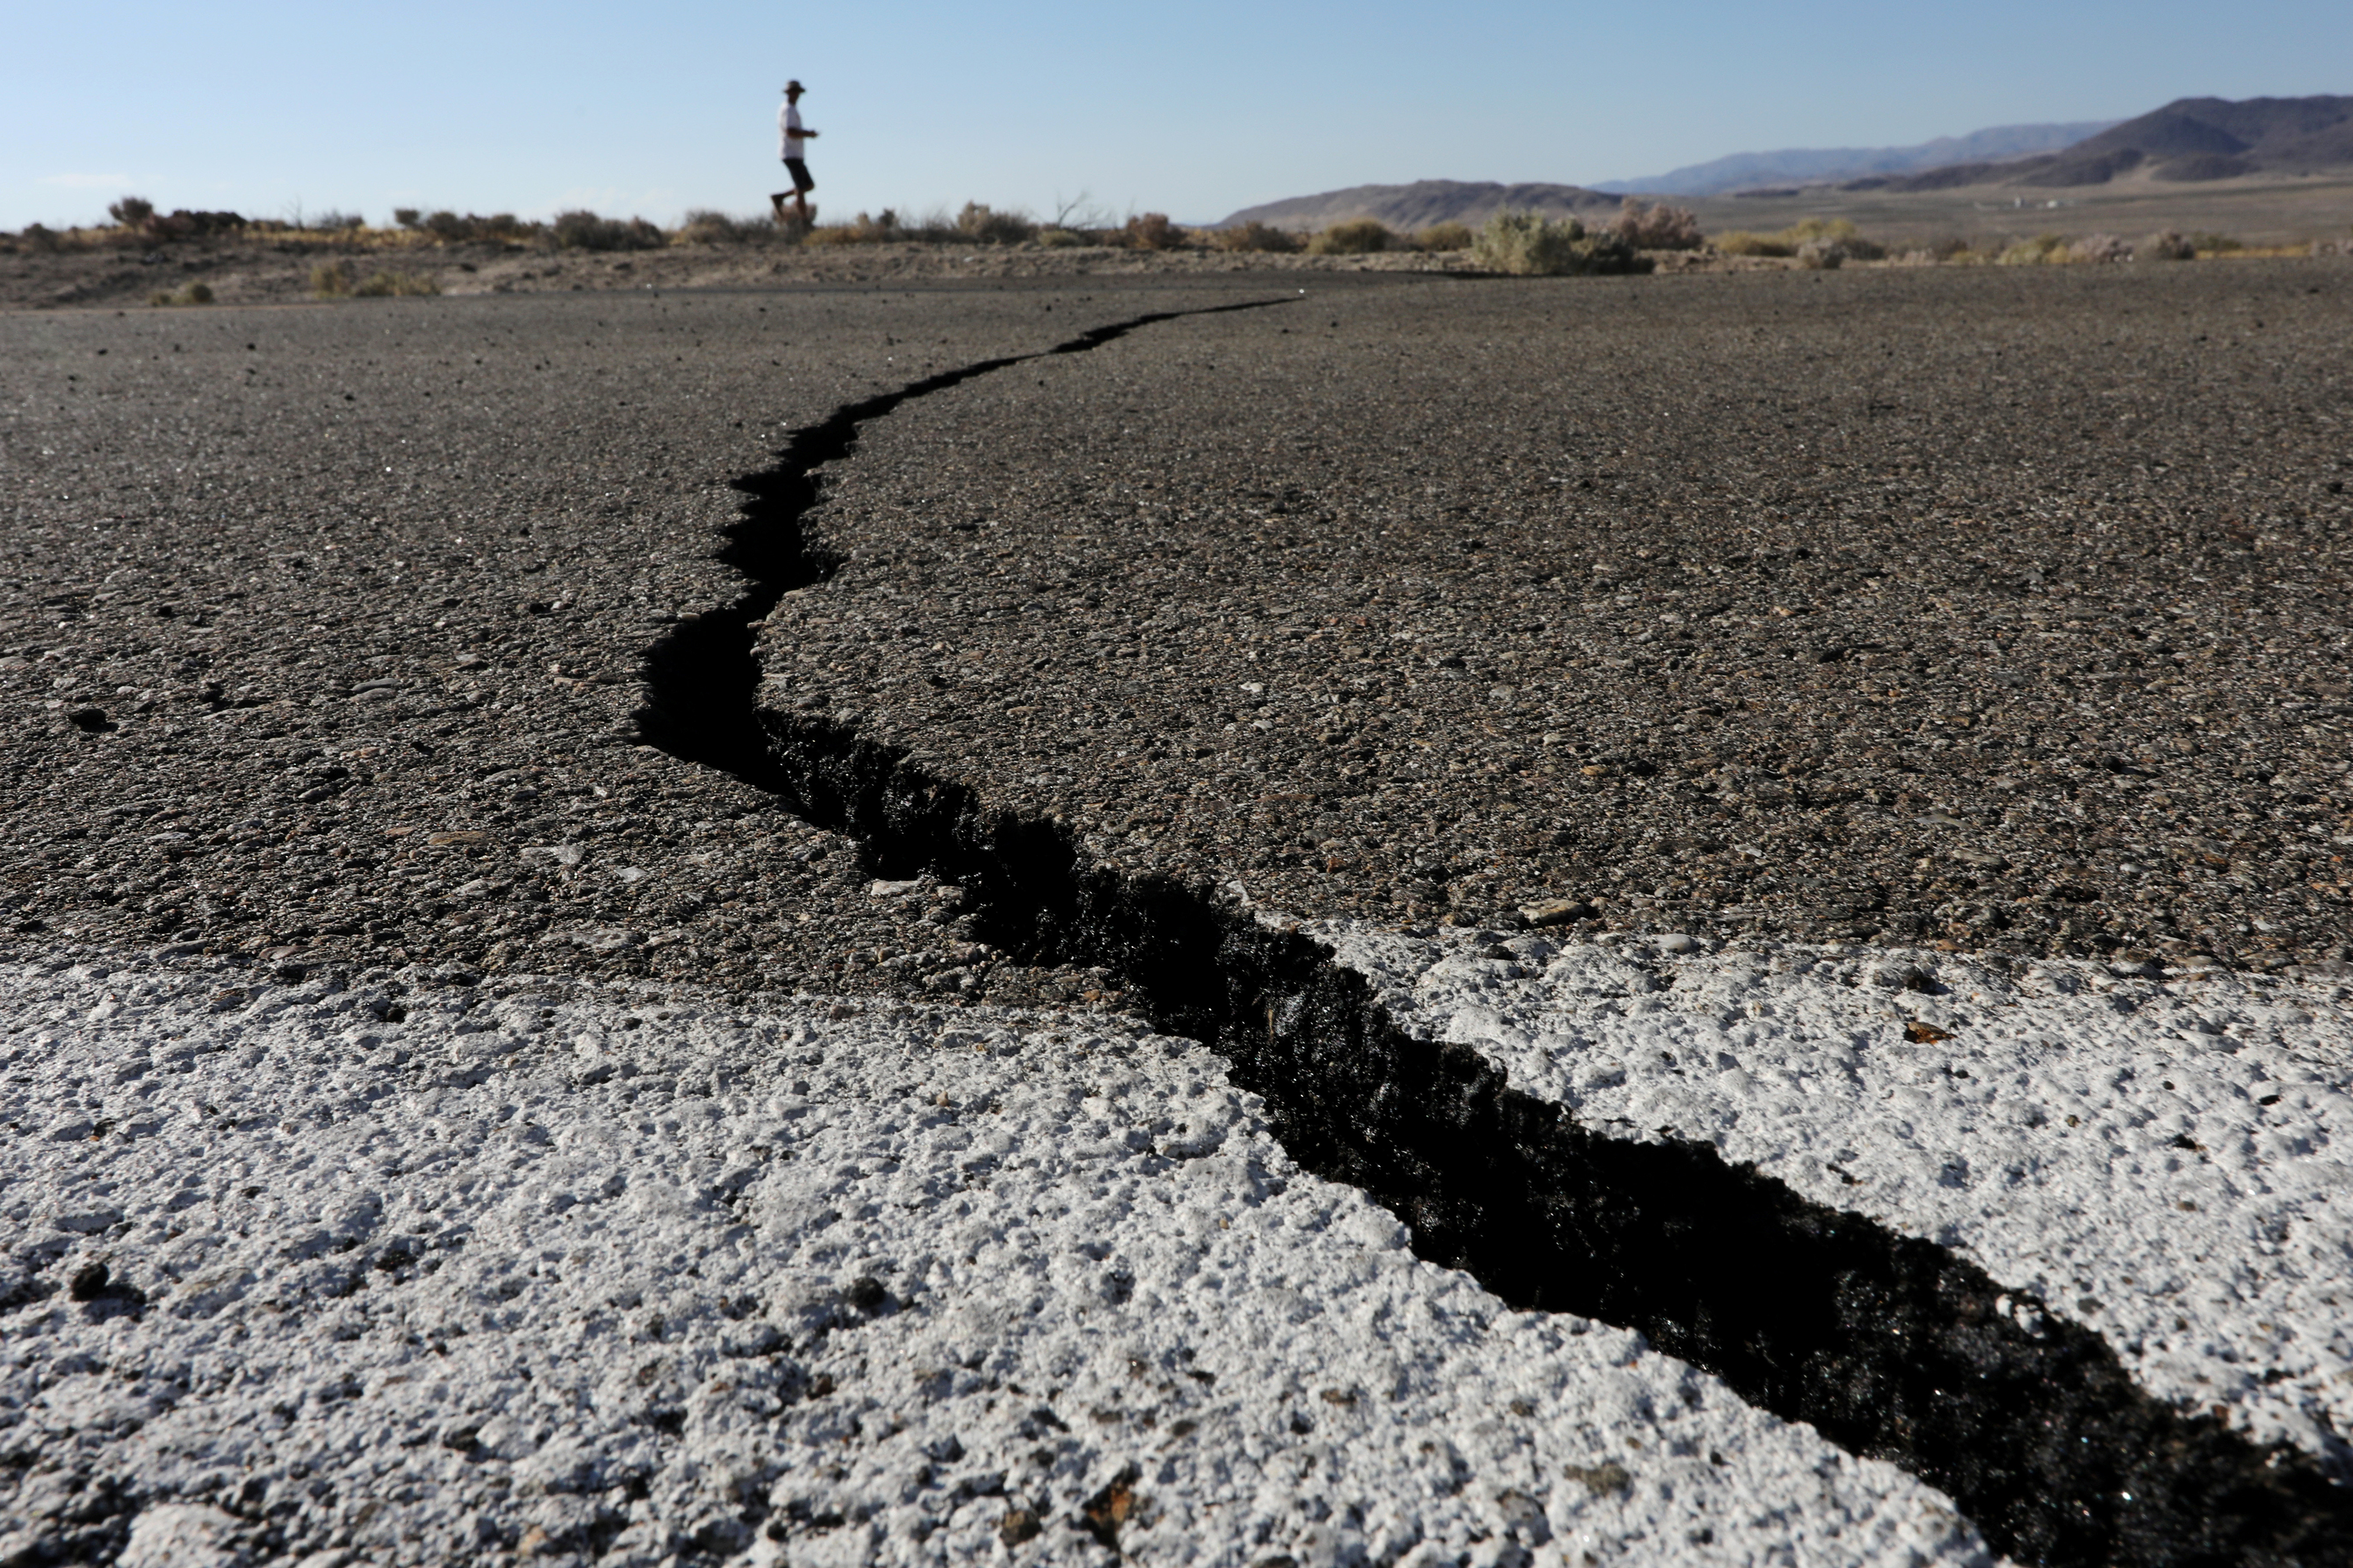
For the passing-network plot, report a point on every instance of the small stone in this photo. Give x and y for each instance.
(1600, 1479)
(183, 1535)
(1556, 911)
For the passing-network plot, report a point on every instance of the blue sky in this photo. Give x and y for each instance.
(1194, 109)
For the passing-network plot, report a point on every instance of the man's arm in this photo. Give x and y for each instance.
(805, 130)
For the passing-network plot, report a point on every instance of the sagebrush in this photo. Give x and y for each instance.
(1657, 228)
(1530, 245)
(1356, 237)
(1254, 236)
(584, 230)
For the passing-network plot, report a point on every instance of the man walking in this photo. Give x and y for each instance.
(790, 133)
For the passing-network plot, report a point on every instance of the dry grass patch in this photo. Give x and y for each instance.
(341, 280)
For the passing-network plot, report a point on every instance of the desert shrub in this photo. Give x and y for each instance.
(449, 228)
(1060, 238)
(866, 228)
(406, 217)
(1152, 231)
(874, 230)
(188, 294)
(1254, 237)
(706, 226)
(2214, 244)
(1840, 232)
(130, 212)
(331, 279)
(1445, 236)
(934, 227)
(584, 230)
(985, 224)
(1836, 236)
(38, 237)
(383, 285)
(1530, 245)
(333, 222)
(183, 223)
(1527, 243)
(2165, 245)
(2041, 250)
(1357, 237)
(887, 226)
(2099, 248)
(1814, 241)
(1657, 228)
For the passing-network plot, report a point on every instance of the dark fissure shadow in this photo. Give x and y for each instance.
(1890, 1345)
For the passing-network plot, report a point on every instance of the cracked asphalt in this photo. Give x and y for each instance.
(1961, 608)
(1940, 608)
(1988, 611)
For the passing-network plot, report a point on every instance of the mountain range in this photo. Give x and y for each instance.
(1831, 166)
(2189, 139)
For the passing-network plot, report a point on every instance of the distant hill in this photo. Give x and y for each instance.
(2189, 140)
(2211, 139)
(1423, 202)
(1835, 165)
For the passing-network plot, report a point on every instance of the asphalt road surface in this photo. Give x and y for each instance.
(1431, 921)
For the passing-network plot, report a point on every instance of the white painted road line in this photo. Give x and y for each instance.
(2160, 1158)
(543, 1268)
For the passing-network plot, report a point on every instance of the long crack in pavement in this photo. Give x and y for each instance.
(1889, 1345)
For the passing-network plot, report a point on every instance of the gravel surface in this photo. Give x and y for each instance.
(2160, 1158)
(397, 1273)
(1941, 607)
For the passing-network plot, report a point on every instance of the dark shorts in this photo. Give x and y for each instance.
(798, 168)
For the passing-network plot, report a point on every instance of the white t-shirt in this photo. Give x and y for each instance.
(788, 131)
